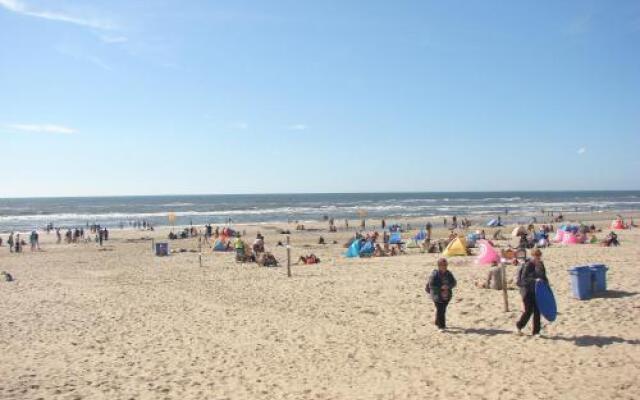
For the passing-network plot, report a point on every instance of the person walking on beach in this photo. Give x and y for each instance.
(10, 242)
(532, 271)
(33, 241)
(440, 287)
(18, 244)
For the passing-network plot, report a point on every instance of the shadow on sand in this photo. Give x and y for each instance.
(479, 331)
(614, 294)
(599, 341)
(582, 341)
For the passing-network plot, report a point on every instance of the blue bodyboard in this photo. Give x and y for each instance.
(546, 301)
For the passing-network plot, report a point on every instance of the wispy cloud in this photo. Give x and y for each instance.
(580, 24)
(241, 125)
(297, 127)
(40, 128)
(111, 39)
(582, 150)
(20, 7)
(81, 55)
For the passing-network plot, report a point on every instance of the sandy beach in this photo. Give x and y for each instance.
(117, 322)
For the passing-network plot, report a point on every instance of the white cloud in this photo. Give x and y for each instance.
(80, 54)
(240, 125)
(582, 150)
(112, 39)
(580, 25)
(98, 62)
(41, 128)
(297, 127)
(20, 7)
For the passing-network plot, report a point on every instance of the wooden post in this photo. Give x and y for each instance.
(200, 250)
(288, 258)
(504, 288)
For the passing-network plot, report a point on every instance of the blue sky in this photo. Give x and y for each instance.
(121, 97)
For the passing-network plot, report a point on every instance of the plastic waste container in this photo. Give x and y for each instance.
(581, 282)
(598, 277)
(162, 249)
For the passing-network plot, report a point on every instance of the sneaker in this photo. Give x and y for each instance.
(518, 331)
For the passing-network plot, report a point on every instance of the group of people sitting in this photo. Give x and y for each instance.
(370, 247)
(256, 253)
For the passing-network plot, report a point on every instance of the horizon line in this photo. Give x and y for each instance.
(316, 193)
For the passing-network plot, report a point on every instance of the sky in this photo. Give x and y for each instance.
(196, 97)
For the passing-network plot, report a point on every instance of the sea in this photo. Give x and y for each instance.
(23, 214)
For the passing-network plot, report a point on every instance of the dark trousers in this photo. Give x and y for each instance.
(441, 311)
(530, 307)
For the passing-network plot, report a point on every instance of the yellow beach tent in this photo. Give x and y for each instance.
(457, 247)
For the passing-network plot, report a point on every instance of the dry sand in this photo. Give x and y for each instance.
(81, 322)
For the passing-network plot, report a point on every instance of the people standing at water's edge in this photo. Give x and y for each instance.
(34, 240)
(440, 287)
(532, 271)
(10, 242)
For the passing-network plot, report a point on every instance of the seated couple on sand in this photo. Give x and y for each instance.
(395, 250)
(433, 247)
(309, 259)
(266, 259)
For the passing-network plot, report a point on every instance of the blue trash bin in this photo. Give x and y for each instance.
(598, 278)
(162, 249)
(581, 282)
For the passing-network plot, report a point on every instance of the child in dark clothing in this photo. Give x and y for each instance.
(440, 287)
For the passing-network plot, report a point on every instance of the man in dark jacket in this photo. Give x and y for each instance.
(529, 273)
(440, 287)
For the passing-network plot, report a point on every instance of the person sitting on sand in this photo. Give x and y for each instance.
(378, 251)
(310, 259)
(433, 248)
(321, 240)
(493, 280)
(611, 240)
(267, 259)
(258, 244)
(238, 244)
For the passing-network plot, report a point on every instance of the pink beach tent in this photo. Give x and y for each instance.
(488, 253)
(559, 236)
(570, 238)
(617, 224)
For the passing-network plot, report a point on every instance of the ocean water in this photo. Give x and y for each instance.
(28, 213)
